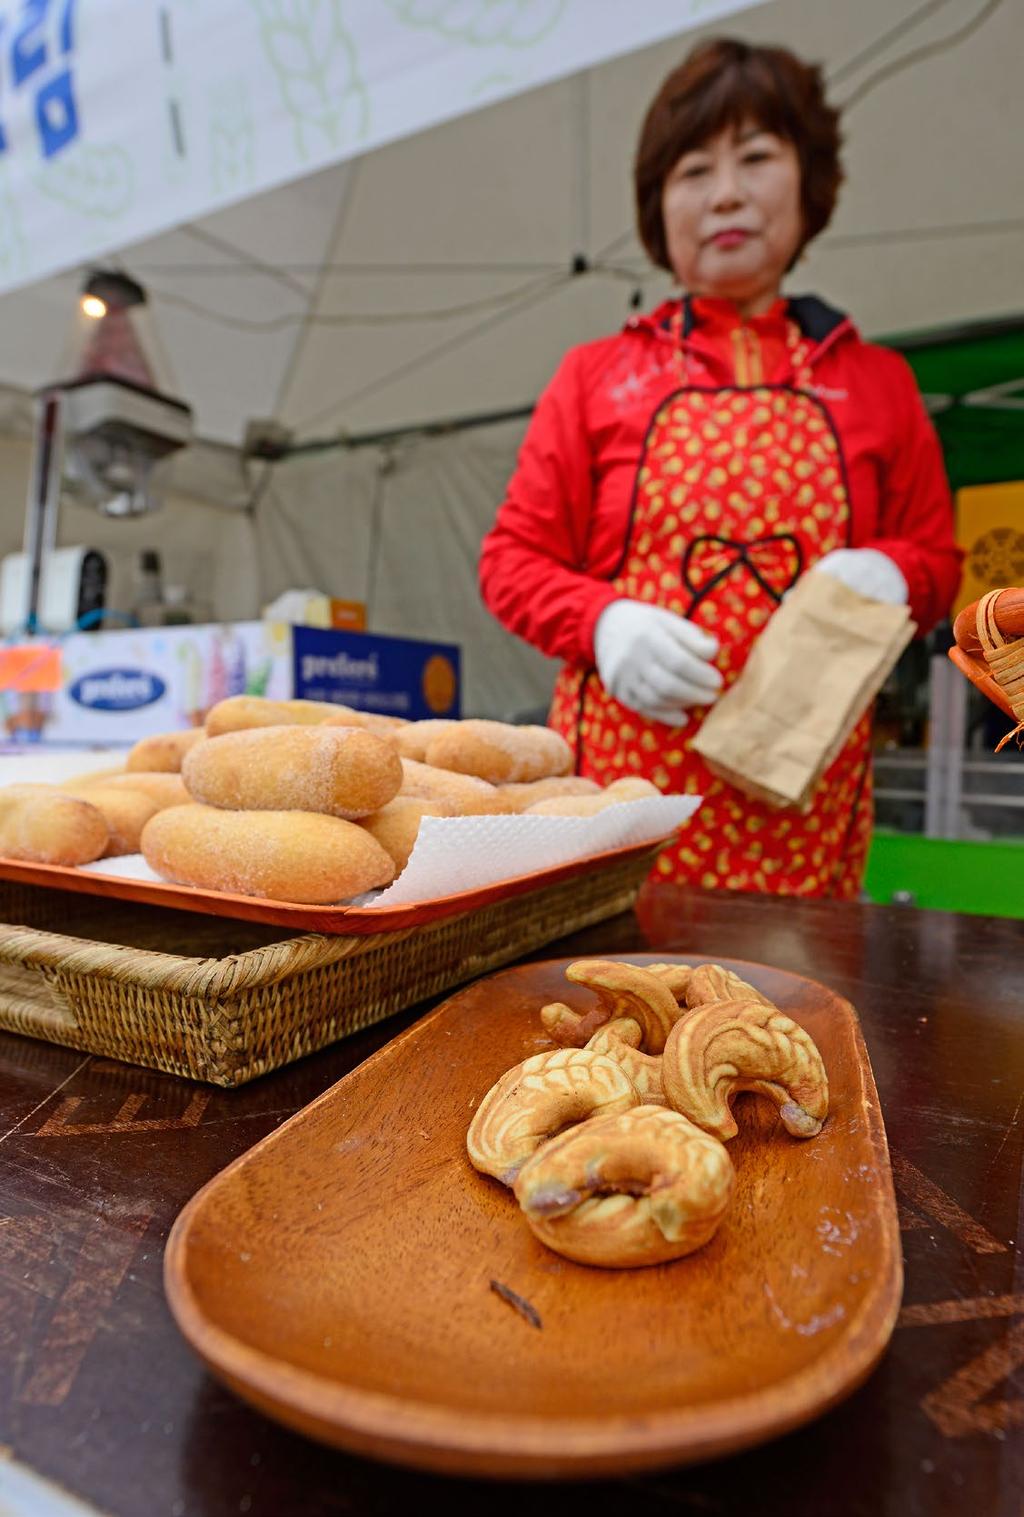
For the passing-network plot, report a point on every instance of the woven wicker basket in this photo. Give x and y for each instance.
(256, 999)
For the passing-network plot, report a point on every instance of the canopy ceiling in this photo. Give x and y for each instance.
(432, 277)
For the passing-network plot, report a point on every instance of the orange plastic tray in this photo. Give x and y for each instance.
(330, 919)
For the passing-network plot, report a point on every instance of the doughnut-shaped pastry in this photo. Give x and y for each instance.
(710, 982)
(642, 1187)
(620, 1040)
(40, 824)
(500, 752)
(557, 787)
(718, 1050)
(675, 976)
(626, 990)
(240, 712)
(297, 856)
(565, 1026)
(538, 1098)
(625, 1029)
(396, 825)
(623, 990)
(164, 753)
(467, 795)
(341, 771)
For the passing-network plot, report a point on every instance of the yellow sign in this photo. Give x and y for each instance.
(990, 528)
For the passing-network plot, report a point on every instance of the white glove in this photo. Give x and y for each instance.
(654, 661)
(869, 571)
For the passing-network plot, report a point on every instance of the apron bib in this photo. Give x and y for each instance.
(739, 490)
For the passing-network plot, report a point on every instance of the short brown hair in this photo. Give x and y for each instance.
(723, 83)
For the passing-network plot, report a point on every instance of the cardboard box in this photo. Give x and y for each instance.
(119, 686)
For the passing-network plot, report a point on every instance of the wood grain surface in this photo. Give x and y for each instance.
(101, 1395)
(341, 1275)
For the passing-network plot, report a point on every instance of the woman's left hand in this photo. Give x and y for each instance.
(868, 571)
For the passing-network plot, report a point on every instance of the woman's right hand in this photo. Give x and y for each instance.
(655, 662)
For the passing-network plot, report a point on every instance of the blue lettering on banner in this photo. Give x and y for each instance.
(37, 44)
(392, 676)
(117, 689)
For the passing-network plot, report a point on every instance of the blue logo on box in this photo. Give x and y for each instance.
(392, 676)
(117, 689)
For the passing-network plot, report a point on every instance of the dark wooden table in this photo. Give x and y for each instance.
(101, 1396)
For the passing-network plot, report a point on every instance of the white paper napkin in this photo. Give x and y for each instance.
(127, 866)
(456, 853)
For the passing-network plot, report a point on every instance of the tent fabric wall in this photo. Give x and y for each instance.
(399, 528)
(312, 525)
(211, 549)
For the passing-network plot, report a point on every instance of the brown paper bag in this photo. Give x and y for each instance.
(812, 674)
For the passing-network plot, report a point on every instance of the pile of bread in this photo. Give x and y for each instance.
(614, 1143)
(297, 801)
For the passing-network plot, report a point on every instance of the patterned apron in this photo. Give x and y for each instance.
(739, 490)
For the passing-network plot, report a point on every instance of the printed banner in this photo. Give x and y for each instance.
(121, 118)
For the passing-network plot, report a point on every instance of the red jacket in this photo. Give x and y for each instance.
(546, 564)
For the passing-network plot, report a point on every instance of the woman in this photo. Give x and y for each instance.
(677, 478)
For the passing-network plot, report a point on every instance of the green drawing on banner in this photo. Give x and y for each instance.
(258, 681)
(316, 65)
(13, 251)
(95, 181)
(232, 136)
(491, 84)
(483, 23)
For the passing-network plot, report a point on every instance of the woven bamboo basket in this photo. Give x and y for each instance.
(255, 999)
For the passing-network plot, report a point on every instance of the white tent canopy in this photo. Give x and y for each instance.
(323, 301)
(431, 278)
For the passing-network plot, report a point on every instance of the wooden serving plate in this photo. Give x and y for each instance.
(339, 1275)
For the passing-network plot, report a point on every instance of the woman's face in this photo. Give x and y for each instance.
(732, 216)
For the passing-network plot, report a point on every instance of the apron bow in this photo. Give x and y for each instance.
(775, 560)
